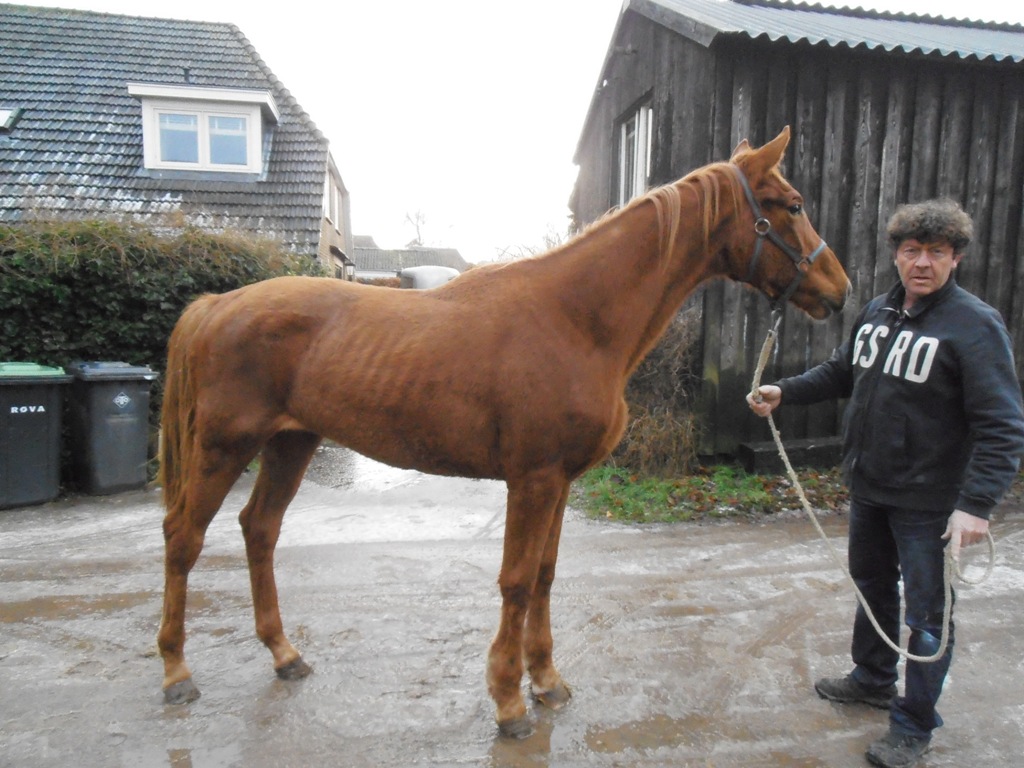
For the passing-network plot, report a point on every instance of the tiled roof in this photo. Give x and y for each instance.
(703, 20)
(364, 241)
(76, 149)
(394, 260)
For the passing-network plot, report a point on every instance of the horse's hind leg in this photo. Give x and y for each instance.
(546, 683)
(284, 461)
(184, 531)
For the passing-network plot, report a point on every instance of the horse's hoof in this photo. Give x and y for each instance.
(294, 670)
(556, 698)
(518, 728)
(181, 692)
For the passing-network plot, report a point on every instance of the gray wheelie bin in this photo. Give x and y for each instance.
(108, 421)
(31, 406)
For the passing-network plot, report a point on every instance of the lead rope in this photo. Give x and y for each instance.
(951, 569)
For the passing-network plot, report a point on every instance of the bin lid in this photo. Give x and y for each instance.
(110, 369)
(27, 373)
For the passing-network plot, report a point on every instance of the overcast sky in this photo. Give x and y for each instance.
(465, 112)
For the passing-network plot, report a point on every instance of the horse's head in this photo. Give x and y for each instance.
(774, 247)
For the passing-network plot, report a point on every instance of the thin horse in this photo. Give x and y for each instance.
(512, 372)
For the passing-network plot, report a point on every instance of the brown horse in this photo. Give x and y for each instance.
(512, 372)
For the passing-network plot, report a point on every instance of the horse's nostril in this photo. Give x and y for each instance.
(838, 304)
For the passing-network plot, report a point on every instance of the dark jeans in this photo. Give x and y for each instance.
(886, 542)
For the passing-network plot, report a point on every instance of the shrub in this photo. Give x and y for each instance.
(102, 290)
(662, 435)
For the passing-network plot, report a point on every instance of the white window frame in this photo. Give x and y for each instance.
(8, 117)
(203, 104)
(633, 148)
(332, 201)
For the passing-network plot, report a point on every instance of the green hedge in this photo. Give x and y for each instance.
(100, 290)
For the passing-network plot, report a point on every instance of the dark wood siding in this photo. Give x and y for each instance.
(871, 130)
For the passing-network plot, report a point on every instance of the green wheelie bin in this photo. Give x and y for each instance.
(31, 409)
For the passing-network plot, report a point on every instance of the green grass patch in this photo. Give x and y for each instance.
(716, 492)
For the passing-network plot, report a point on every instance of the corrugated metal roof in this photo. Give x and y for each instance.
(704, 20)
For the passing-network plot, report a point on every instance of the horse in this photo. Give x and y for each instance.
(512, 371)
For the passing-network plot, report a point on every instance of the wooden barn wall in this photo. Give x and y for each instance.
(759, 92)
(870, 131)
(628, 80)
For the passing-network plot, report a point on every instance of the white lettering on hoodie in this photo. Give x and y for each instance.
(914, 367)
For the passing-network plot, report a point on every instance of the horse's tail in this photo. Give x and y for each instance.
(177, 421)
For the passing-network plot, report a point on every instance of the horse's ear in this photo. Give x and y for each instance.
(743, 146)
(771, 153)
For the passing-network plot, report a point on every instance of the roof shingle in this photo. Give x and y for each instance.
(76, 150)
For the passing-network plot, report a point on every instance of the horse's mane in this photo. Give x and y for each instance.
(708, 185)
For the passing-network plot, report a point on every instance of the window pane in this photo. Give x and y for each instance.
(634, 154)
(228, 141)
(627, 160)
(179, 138)
(648, 119)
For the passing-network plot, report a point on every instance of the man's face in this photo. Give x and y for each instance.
(924, 267)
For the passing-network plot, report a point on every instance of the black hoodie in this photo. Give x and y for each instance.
(935, 420)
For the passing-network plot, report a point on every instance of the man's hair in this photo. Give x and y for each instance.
(931, 220)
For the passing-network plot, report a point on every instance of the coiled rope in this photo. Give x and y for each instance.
(951, 568)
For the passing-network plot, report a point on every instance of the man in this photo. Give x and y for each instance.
(932, 438)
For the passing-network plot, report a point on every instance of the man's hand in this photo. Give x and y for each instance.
(770, 399)
(964, 529)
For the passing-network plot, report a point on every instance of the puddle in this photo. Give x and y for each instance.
(70, 606)
(653, 733)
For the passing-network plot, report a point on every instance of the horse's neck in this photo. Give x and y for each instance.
(624, 287)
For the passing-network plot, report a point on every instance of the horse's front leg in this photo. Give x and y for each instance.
(532, 503)
(546, 684)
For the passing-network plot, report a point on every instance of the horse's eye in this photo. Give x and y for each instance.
(796, 210)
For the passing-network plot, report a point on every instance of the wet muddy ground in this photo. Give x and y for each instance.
(685, 645)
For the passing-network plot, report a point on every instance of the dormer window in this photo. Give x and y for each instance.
(8, 118)
(186, 128)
